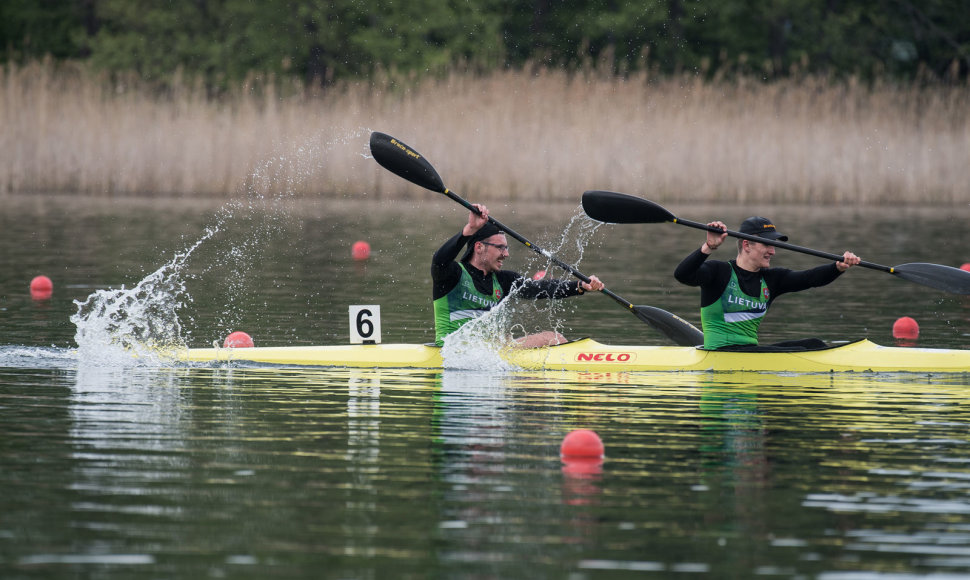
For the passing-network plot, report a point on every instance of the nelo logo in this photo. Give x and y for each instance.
(617, 357)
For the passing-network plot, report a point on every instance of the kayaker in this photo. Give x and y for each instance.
(467, 289)
(736, 295)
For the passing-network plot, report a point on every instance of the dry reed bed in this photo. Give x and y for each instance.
(510, 135)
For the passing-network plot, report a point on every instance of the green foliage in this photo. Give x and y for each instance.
(319, 41)
(32, 29)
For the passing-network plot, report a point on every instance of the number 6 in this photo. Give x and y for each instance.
(365, 324)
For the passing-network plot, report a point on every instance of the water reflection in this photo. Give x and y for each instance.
(127, 436)
(211, 471)
(581, 479)
(470, 423)
(506, 495)
(362, 461)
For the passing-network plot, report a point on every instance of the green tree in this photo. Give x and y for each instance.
(316, 39)
(32, 29)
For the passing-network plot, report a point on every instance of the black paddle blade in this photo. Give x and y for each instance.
(946, 278)
(620, 208)
(401, 160)
(672, 326)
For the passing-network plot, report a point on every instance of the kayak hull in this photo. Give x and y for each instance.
(590, 355)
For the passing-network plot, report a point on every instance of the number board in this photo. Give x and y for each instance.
(365, 324)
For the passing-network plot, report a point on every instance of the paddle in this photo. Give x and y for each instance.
(619, 208)
(405, 162)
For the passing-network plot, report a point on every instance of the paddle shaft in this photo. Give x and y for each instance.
(777, 243)
(405, 162)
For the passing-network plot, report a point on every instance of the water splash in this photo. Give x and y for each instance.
(130, 326)
(479, 344)
(138, 325)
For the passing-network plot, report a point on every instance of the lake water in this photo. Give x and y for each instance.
(115, 467)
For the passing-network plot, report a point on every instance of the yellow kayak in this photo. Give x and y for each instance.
(590, 355)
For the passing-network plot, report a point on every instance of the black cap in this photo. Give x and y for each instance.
(763, 228)
(486, 231)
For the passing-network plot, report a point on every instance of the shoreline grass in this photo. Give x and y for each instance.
(509, 135)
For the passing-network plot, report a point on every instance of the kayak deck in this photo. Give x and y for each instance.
(590, 355)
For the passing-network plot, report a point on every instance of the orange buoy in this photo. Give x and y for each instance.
(581, 443)
(360, 250)
(238, 339)
(41, 288)
(905, 328)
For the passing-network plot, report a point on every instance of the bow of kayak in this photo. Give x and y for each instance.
(590, 355)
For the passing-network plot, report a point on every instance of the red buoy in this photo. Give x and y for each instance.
(966, 267)
(238, 339)
(905, 328)
(360, 250)
(581, 443)
(539, 275)
(41, 288)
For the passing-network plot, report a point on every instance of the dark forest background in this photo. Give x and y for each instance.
(224, 42)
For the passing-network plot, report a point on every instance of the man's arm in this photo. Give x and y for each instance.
(712, 277)
(694, 269)
(782, 280)
(544, 288)
(445, 271)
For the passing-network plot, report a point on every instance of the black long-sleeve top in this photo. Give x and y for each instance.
(713, 277)
(445, 274)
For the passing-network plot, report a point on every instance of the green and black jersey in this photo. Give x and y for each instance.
(456, 301)
(734, 300)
